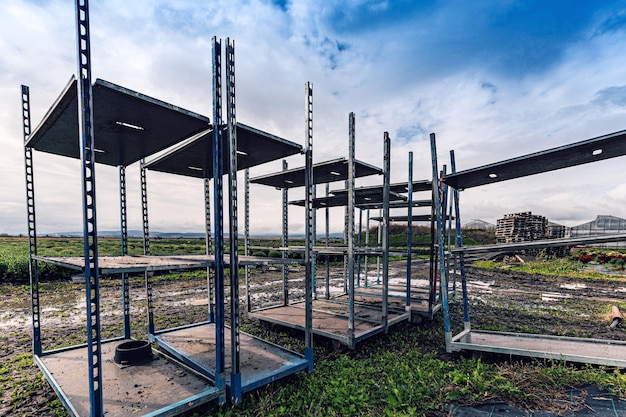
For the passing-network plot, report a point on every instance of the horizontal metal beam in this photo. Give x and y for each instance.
(590, 150)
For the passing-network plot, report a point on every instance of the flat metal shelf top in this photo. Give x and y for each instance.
(404, 219)
(572, 241)
(571, 349)
(120, 264)
(400, 187)
(194, 157)
(361, 200)
(590, 150)
(128, 126)
(323, 172)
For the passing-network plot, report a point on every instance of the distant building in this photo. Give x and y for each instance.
(602, 225)
(477, 224)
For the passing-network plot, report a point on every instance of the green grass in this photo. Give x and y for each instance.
(563, 267)
(402, 373)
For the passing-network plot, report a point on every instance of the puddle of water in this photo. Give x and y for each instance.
(553, 296)
(575, 286)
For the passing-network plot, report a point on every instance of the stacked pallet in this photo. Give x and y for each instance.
(555, 231)
(526, 227)
(520, 227)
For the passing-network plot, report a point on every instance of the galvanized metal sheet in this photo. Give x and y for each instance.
(590, 150)
(323, 172)
(194, 158)
(128, 125)
(342, 200)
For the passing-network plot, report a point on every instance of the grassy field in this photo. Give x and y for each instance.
(403, 373)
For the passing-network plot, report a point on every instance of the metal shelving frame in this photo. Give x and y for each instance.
(573, 349)
(264, 362)
(343, 319)
(89, 390)
(420, 301)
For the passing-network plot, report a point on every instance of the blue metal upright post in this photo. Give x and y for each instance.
(146, 245)
(209, 249)
(350, 227)
(409, 233)
(367, 244)
(218, 218)
(246, 236)
(124, 251)
(285, 240)
(327, 243)
(385, 223)
(358, 262)
(459, 244)
(32, 229)
(231, 123)
(308, 204)
(90, 233)
(439, 215)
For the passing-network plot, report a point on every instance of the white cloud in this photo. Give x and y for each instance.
(441, 69)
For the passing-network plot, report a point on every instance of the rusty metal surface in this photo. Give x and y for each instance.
(257, 357)
(128, 390)
(330, 317)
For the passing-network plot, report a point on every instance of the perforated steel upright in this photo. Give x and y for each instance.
(409, 232)
(309, 229)
(209, 248)
(231, 124)
(440, 219)
(90, 234)
(285, 239)
(31, 223)
(350, 228)
(124, 251)
(218, 217)
(459, 244)
(385, 222)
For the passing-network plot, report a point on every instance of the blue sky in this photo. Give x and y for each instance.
(493, 80)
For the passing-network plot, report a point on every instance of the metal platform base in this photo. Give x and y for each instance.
(397, 299)
(330, 318)
(158, 387)
(572, 349)
(261, 362)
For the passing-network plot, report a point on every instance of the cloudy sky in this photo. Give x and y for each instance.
(493, 79)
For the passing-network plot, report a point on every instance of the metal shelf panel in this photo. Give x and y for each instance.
(323, 172)
(128, 125)
(590, 150)
(572, 349)
(194, 157)
(261, 362)
(159, 387)
(547, 243)
(361, 199)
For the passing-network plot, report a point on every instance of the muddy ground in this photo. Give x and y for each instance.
(499, 300)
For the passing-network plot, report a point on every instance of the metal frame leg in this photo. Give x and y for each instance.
(33, 267)
(218, 219)
(90, 234)
(124, 251)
